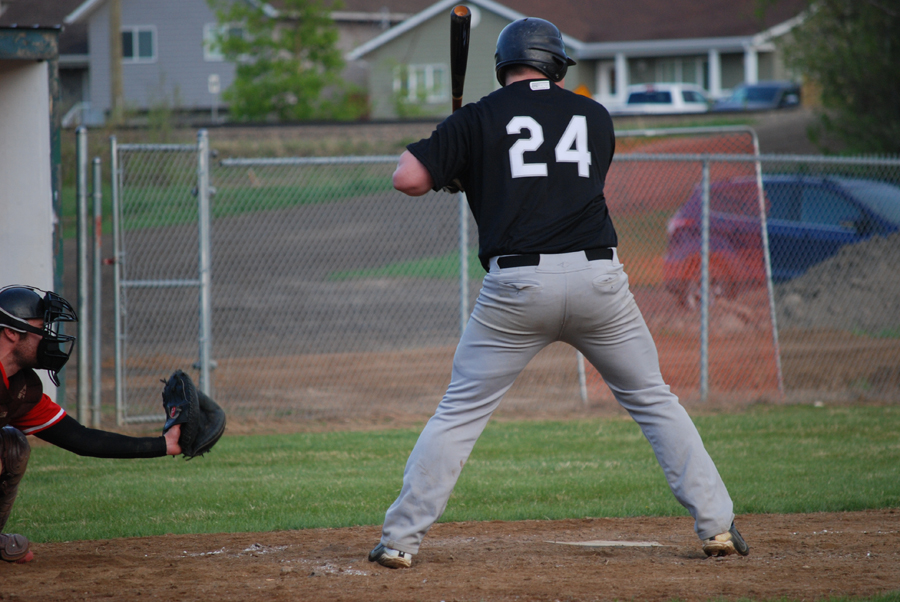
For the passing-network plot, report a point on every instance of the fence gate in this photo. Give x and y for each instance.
(160, 196)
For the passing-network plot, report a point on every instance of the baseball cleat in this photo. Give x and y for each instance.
(15, 548)
(726, 543)
(391, 558)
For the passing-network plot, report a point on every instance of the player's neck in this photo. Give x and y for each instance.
(9, 365)
(529, 75)
(3, 374)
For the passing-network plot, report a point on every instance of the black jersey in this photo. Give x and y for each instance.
(532, 158)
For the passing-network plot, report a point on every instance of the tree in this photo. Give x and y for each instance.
(850, 49)
(287, 63)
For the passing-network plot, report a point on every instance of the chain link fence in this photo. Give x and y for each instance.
(335, 297)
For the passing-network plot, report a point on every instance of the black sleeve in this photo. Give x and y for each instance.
(70, 435)
(443, 154)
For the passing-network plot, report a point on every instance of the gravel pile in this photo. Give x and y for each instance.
(857, 289)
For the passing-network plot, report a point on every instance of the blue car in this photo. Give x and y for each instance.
(762, 96)
(809, 219)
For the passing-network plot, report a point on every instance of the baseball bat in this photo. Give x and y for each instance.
(460, 25)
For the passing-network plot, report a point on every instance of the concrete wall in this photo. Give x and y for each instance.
(26, 196)
(27, 218)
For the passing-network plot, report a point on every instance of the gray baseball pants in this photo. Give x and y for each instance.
(519, 312)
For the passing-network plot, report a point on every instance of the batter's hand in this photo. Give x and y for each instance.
(454, 186)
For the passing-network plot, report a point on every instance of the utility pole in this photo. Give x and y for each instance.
(117, 95)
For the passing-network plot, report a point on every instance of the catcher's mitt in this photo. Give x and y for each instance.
(202, 420)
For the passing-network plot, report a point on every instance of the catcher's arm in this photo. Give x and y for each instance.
(70, 435)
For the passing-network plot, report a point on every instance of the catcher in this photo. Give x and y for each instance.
(30, 339)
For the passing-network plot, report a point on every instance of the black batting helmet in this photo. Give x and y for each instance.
(19, 303)
(533, 42)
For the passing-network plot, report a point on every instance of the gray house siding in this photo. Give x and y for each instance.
(429, 43)
(178, 77)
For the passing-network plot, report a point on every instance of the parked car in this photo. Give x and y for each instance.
(761, 96)
(663, 98)
(808, 220)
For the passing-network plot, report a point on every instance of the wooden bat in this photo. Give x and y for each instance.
(460, 25)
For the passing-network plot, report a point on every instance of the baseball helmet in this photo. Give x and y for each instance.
(19, 303)
(533, 42)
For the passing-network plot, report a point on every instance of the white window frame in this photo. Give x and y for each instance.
(676, 65)
(135, 31)
(426, 71)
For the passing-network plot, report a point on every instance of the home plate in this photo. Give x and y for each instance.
(600, 543)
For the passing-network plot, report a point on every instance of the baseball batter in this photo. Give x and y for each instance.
(532, 158)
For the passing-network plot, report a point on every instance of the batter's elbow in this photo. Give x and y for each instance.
(411, 177)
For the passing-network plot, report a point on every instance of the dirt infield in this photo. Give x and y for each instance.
(798, 557)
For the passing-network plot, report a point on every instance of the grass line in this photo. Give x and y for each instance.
(774, 460)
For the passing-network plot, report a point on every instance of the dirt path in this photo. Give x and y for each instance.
(799, 557)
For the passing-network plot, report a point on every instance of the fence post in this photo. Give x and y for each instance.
(704, 286)
(82, 244)
(204, 259)
(96, 299)
(767, 262)
(117, 277)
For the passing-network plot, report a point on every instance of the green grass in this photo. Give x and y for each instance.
(69, 209)
(167, 205)
(773, 459)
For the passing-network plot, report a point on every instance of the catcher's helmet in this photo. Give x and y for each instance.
(533, 42)
(19, 303)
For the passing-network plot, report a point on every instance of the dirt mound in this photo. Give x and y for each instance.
(857, 289)
(798, 557)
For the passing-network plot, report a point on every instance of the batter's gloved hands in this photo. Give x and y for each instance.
(202, 420)
(454, 186)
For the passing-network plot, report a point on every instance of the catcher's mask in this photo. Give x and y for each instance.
(19, 303)
(533, 42)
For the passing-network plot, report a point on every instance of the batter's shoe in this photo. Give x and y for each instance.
(726, 543)
(15, 548)
(391, 558)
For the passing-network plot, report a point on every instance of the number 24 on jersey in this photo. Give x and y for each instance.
(571, 148)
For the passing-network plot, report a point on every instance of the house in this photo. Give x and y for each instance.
(399, 49)
(714, 43)
(168, 60)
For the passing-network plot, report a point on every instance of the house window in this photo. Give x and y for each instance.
(684, 70)
(422, 83)
(213, 34)
(139, 44)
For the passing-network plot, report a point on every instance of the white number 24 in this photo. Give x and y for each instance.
(571, 148)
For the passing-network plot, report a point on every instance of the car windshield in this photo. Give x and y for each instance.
(755, 94)
(692, 96)
(735, 197)
(880, 197)
(650, 97)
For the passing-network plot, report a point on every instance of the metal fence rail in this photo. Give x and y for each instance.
(332, 296)
(162, 269)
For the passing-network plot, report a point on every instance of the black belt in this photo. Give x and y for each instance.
(519, 261)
